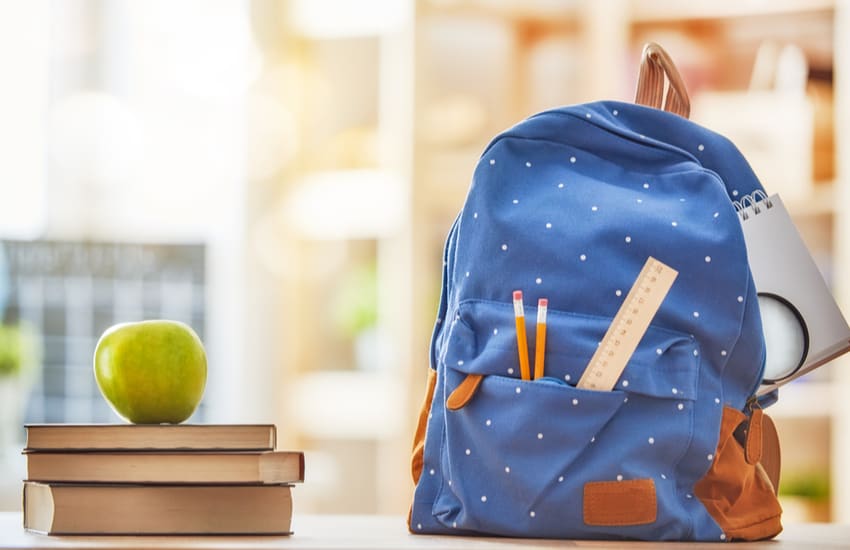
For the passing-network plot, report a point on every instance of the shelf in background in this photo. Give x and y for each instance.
(804, 400)
(366, 405)
(820, 202)
(640, 11)
(652, 11)
(543, 12)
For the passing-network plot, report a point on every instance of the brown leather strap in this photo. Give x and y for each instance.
(740, 497)
(418, 458)
(464, 392)
(656, 67)
(771, 456)
(755, 433)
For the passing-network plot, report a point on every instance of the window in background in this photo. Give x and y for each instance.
(68, 293)
(146, 142)
(141, 153)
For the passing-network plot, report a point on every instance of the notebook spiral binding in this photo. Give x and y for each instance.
(754, 202)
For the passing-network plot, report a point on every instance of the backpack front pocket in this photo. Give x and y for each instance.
(516, 456)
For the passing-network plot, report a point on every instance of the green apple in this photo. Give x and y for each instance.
(151, 372)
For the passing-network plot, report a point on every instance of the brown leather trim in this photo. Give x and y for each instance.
(763, 529)
(464, 392)
(771, 455)
(422, 424)
(656, 66)
(755, 435)
(738, 495)
(618, 503)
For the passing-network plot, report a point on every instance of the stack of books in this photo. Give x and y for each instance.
(158, 479)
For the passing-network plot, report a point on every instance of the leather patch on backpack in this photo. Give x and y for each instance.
(617, 503)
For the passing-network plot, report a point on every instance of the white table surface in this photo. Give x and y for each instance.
(383, 532)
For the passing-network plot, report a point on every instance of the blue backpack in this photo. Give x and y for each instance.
(568, 205)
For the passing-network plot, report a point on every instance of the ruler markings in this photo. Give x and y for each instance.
(628, 327)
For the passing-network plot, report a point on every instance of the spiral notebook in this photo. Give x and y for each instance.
(804, 327)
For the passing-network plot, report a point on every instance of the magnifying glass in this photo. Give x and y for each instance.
(786, 337)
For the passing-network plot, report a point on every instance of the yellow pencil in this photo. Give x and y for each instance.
(521, 341)
(540, 353)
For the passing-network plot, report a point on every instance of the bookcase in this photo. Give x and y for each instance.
(337, 243)
(423, 95)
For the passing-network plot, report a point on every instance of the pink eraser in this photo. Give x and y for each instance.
(517, 295)
(543, 302)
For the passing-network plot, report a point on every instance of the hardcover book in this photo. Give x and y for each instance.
(142, 437)
(167, 468)
(77, 509)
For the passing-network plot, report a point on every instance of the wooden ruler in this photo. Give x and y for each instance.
(628, 327)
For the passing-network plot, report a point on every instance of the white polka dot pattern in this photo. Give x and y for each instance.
(571, 215)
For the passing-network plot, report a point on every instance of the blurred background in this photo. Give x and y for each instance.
(281, 175)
